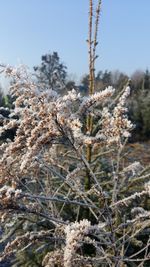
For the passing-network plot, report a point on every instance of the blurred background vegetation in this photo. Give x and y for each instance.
(52, 74)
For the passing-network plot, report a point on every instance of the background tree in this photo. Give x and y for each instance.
(102, 80)
(139, 105)
(119, 79)
(84, 84)
(1, 95)
(51, 74)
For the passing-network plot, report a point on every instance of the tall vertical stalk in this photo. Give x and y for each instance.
(92, 43)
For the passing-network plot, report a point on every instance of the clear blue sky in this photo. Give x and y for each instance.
(31, 28)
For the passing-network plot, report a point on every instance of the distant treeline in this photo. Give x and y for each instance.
(53, 74)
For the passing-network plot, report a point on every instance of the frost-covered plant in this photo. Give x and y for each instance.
(65, 192)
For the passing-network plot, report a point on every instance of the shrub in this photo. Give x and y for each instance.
(66, 194)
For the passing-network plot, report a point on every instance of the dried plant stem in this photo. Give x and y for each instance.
(91, 50)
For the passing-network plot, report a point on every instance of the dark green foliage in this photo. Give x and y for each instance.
(104, 79)
(7, 101)
(28, 258)
(51, 74)
(139, 106)
(1, 96)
